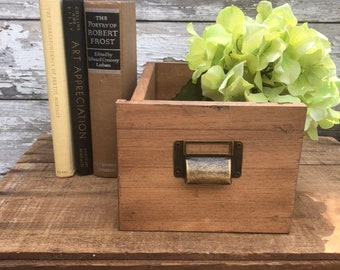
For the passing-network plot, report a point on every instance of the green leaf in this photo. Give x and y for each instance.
(280, 18)
(264, 9)
(191, 30)
(312, 130)
(270, 51)
(200, 56)
(189, 91)
(272, 92)
(258, 80)
(319, 65)
(253, 37)
(285, 99)
(257, 97)
(300, 41)
(287, 70)
(211, 82)
(232, 19)
(301, 86)
(332, 119)
(235, 90)
(217, 34)
(234, 85)
(250, 60)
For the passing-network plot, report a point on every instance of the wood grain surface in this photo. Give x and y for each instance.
(152, 198)
(55, 223)
(161, 35)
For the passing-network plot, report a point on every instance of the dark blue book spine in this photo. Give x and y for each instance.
(77, 76)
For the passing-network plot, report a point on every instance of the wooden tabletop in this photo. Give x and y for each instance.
(161, 35)
(51, 222)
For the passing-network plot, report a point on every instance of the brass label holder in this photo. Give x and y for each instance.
(214, 162)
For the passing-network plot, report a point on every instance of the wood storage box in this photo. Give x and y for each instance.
(259, 195)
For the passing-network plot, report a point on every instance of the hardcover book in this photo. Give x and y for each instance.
(56, 77)
(76, 62)
(112, 70)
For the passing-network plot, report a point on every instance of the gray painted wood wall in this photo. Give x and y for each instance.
(161, 35)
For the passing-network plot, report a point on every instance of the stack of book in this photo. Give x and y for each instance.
(90, 60)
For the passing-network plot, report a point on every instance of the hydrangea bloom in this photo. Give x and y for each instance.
(267, 59)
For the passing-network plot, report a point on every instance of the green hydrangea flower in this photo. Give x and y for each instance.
(267, 59)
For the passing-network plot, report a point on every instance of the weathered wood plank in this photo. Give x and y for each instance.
(19, 9)
(21, 123)
(22, 70)
(22, 75)
(322, 152)
(47, 220)
(177, 10)
(169, 264)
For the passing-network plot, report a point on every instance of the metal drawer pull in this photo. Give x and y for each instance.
(208, 162)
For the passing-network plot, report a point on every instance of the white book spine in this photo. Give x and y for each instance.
(56, 76)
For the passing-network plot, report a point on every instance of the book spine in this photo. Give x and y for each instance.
(56, 77)
(111, 54)
(76, 63)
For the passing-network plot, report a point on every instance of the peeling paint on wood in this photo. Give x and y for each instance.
(22, 71)
(21, 122)
(161, 35)
(19, 9)
(193, 10)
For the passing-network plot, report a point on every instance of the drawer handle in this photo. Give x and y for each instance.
(215, 162)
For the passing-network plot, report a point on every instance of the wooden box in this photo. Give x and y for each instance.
(151, 198)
